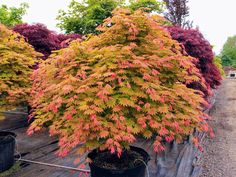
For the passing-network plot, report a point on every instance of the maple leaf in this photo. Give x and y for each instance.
(163, 109)
(89, 112)
(67, 89)
(104, 134)
(126, 102)
(152, 111)
(147, 134)
(111, 103)
(163, 131)
(83, 106)
(117, 108)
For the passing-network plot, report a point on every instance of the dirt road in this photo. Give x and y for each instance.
(219, 158)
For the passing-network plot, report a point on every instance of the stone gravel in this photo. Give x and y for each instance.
(219, 157)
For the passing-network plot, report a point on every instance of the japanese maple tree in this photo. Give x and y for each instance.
(129, 80)
(44, 40)
(197, 46)
(16, 60)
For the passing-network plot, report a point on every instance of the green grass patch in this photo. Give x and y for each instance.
(12, 170)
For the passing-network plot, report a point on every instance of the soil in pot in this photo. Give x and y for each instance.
(129, 159)
(7, 147)
(130, 164)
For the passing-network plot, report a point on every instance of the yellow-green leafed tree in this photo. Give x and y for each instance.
(130, 80)
(16, 66)
(218, 62)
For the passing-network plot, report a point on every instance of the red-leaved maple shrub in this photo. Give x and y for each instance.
(129, 80)
(197, 46)
(44, 40)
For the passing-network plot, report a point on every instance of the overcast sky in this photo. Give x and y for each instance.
(215, 18)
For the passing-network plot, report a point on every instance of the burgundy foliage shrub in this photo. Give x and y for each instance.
(194, 43)
(66, 39)
(44, 40)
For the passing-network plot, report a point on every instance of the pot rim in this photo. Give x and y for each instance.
(5, 134)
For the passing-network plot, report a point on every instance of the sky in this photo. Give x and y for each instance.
(215, 18)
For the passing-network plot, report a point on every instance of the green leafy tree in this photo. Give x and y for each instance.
(228, 54)
(152, 5)
(83, 17)
(11, 16)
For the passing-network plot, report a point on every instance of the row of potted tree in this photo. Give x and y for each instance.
(137, 78)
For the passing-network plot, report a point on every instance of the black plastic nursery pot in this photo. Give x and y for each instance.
(137, 171)
(7, 148)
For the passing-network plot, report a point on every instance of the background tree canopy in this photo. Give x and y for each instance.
(228, 54)
(177, 13)
(83, 18)
(152, 5)
(11, 16)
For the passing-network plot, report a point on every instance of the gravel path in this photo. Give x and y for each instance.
(219, 158)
